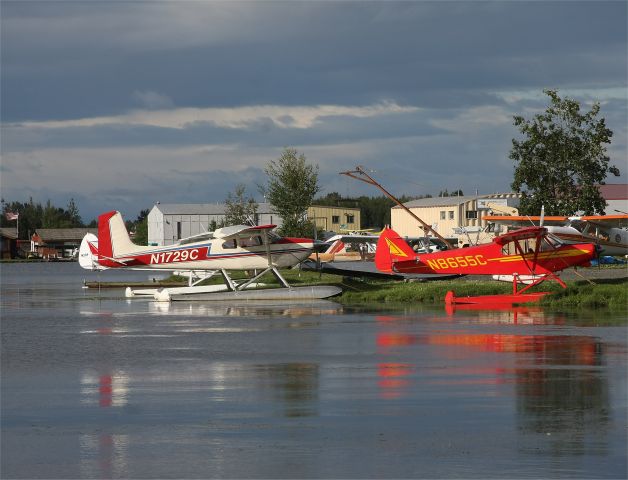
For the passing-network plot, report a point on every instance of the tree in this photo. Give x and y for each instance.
(74, 217)
(562, 159)
(141, 228)
(33, 216)
(292, 184)
(239, 209)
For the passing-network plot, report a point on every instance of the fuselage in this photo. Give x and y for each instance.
(523, 253)
(490, 260)
(216, 254)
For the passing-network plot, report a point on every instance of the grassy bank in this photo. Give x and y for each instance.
(603, 293)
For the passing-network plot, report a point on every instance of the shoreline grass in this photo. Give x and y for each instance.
(609, 294)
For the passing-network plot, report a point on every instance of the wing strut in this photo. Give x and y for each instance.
(360, 171)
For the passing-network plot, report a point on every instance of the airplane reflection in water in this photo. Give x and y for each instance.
(246, 308)
(559, 391)
(104, 455)
(555, 378)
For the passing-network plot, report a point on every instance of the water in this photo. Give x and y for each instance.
(98, 386)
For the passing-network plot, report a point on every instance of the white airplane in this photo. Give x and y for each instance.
(356, 247)
(238, 247)
(607, 231)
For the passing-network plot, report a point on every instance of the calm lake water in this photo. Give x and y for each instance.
(98, 386)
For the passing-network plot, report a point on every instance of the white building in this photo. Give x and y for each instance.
(167, 223)
(616, 196)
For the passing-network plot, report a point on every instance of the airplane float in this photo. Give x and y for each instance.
(238, 247)
(529, 251)
(603, 230)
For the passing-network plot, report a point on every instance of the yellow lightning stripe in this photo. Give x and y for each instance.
(541, 256)
(394, 249)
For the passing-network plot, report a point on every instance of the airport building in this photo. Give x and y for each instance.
(168, 223)
(58, 242)
(616, 196)
(448, 215)
(334, 219)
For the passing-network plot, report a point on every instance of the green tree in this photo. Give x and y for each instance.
(238, 208)
(73, 215)
(292, 184)
(561, 160)
(141, 228)
(33, 216)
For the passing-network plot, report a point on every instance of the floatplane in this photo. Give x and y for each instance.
(238, 247)
(530, 252)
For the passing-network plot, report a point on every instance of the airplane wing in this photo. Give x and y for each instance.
(526, 221)
(607, 221)
(241, 230)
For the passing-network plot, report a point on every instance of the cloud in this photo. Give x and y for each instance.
(112, 102)
(238, 117)
(152, 100)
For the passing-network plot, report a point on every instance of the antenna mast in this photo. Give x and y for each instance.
(362, 174)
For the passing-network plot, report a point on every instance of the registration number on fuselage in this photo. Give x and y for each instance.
(457, 262)
(175, 256)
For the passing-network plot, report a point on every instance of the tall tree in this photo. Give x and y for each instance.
(561, 160)
(141, 228)
(73, 214)
(292, 184)
(238, 208)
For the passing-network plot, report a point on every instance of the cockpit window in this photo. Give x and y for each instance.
(253, 241)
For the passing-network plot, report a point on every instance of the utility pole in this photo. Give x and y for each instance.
(360, 174)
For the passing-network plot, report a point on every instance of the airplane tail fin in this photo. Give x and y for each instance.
(88, 253)
(391, 248)
(113, 238)
(336, 247)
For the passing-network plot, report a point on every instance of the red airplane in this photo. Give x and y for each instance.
(527, 252)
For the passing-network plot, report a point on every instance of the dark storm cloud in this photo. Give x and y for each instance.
(190, 98)
(68, 60)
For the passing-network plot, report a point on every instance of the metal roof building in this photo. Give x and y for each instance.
(616, 196)
(58, 242)
(168, 223)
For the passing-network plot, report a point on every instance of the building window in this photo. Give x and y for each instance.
(350, 219)
(471, 214)
(451, 214)
(335, 219)
(178, 230)
(443, 214)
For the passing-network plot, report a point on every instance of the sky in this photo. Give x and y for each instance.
(120, 105)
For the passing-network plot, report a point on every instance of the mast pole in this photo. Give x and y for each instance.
(360, 171)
